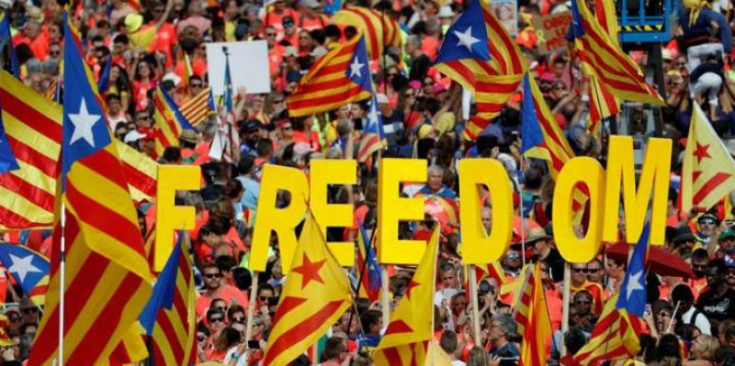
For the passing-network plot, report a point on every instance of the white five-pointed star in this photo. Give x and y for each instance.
(22, 266)
(465, 38)
(356, 68)
(634, 284)
(83, 124)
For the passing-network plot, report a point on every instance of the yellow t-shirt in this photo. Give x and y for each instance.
(143, 38)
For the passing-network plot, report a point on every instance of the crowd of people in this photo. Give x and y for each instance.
(689, 320)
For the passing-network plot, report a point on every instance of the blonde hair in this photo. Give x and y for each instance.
(708, 344)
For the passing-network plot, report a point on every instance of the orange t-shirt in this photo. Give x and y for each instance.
(165, 41)
(227, 293)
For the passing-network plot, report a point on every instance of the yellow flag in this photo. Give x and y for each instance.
(316, 294)
(411, 325)
(708, 173)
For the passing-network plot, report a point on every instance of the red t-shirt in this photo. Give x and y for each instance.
(165, 41)
(225, 292)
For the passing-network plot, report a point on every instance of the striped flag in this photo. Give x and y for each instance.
(612, 66)
(6, 44)
(8, 162)
(410, 329)
(104, 81)
(479, 54)
(196, 109)
(29, 269)
(33, 128)
(542, 138)
(340, 77)
(169, 316)
(4, 338)
(532, 316)
(708, 172)
(371, 275)
(603, 104)
(372, 136)
(316, 294)
(380, 31)
(106, 271)
(168, 121)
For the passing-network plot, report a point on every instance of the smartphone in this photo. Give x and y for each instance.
(253, 344)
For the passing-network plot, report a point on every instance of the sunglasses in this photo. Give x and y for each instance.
(216, 320)
(278, 101)
(239, 319)
(699, 266)
(196, 85)
(270, 34)
(594, 270)
(580, 270)
(583, 302)
(707, 222)
(29, 310)
(201, 338)
(14, 318)
(212, 275)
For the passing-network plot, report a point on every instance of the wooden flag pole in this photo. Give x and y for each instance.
(251, 305)
(475, 306)
(384, 295)
(565, 307)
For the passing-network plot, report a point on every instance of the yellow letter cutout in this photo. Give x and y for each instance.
(169, 217)
(281, 220)
(323, 173)
(392, 209)
(654, 176)
(573, 248)
(479, 247)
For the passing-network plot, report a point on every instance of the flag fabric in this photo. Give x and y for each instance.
(372, 133)
(4, 337)
(29, 269)
(6, 44)
(381, 31)
(316, 294)
(542, 138)
(410, 328)
(168, 121)
(104, 81)
(479, 54)
(339, 77)
(226, 144)
(8, 162)
(602, 104)
(608, 20)
(371, 275)
(33, 129)
(169, 315)
(106, 269)
(534, 323)
(610, 64)
(196, 109)
(708, 172)
(492, 270)
(615, 335)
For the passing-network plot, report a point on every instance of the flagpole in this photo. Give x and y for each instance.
(362, 274)
(472, 274)
(384, 279)
(523, 223)
(62, 282)
(565, 308)
(251, 305)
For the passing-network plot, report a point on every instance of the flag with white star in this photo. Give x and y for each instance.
(633, 290)
(28, 268)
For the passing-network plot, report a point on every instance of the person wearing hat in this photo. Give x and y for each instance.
(249, 136)
(726, 242)
(684, 241)
(708, 223)
(142, 37)
(290, 32)
(539, 241)
(188, 141)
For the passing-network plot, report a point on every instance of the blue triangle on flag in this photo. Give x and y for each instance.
(466, 37)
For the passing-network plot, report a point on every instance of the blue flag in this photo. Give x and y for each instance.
(7, 158)
(7, 40)
(531, 134)
(633, 290)
(104, 82)
(27, 267)
(163, 290)
(359, 68)
(467, 37)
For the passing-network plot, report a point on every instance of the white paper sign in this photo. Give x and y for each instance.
(248, 66)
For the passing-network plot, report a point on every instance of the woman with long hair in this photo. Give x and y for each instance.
(144, 80)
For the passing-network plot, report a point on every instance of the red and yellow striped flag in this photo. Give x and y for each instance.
(614, 337)
(141, 172)
(168, 121)
(603, 104)
(196, 109)
(317, 292)
(107, 279)
(410, 329)
(4, 338)
(613, 67)
(380, 31)
(534, 323)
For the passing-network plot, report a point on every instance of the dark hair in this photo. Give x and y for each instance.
(448, 342)
(333, 348)
(718, 263)
(245, 164)
(668, 346)
(210, 266)
(533, 178)
(266, 286)
(332, 30)
(227, 339)
(242, 278)
(112, 96)
(214, 311)
(369, 318)
(121, 38)
(225, 262)
(699, 254)
(264, 147)
(172, 154)
(682, 293)
(233, 310)
(574, 340)
(233, 188)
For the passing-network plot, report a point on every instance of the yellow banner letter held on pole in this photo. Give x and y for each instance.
(282, 220)
(477, 246)
(654, 177)
(573, 248)
(323, 173)
(392, 209)
(169, 217)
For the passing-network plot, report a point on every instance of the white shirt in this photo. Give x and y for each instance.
(700, 322)
(458, 363)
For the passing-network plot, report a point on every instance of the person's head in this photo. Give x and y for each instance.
(236, 314)
(216, 320)
(502, 329)
(114, 104)
(704, 346)
(413, 45)
(707, 224)
(583, 302)
(700, 260)
(372, 321)
(335, 350)
(614, 268)
(54, 50)
(579, 274)
(449, 343)
(662, 312)
(668, 346)
(487, 218)
(226, 263)
(250, 131)
(594, 271)
(726, 240)
(27, 335)
(212, 276)
(29, 311)
(683, 295)
(265, 293)
(458, 303)
(449, 276)
(716, 273)
(574, 340)
(434, 181)
(477, 357)
(196, 84)
(143, 119)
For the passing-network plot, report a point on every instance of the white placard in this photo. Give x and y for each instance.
(248, 66)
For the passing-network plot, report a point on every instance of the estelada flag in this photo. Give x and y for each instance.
(317, 292)
(708, 173)
(410, 329)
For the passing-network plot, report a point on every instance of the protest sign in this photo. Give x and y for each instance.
(245, 58)
(550, 31)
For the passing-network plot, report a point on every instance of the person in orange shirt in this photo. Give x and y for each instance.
(310, 17)
(33, 35)
(165, 39)
(275, 50)
(212, 276)
(274, 17)
(579, 282)
(290, 31)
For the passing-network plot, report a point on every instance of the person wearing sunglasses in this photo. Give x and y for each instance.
(581, 283)
(708, 222)
(29, 311)
(213, 289)
(583, 302)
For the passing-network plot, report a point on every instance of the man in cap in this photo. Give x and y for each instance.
(188, 142)
(726, 242)
(538, 240)
(290, 31)
(683, 242)
(249, 136)
(707, 224)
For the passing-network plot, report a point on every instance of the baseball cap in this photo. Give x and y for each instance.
(727, 234)
(133, 21)
(133, 136)
(252, 125)
(288, 21)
